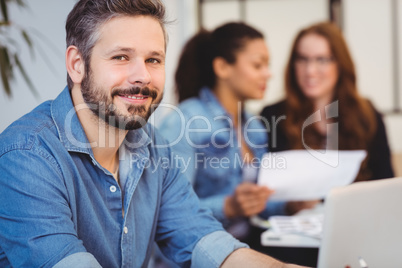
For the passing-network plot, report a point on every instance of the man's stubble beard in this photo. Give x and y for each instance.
(101, 104)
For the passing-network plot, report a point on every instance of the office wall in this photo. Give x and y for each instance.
(375, 44)
(279, 21)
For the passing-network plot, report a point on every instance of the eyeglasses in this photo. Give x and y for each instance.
(321, 62)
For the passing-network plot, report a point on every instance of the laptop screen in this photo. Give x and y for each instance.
(363, 224)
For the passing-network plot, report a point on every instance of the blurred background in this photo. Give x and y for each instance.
(373, 30)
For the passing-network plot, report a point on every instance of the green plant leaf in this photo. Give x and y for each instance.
(9, 67)
(4, 11)
(4, 81)
(28, 40)
(9, 57)
(25, 76)
(5, 70)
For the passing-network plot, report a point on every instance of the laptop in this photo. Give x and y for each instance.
(363, 226)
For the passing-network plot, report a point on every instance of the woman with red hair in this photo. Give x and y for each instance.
(320, 79)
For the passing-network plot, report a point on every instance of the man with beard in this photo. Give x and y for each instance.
(77, 185)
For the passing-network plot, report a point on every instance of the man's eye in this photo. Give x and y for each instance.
(119, 58)
(153, 60)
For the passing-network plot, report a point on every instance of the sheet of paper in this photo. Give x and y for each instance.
(303, 225)
(299, 175)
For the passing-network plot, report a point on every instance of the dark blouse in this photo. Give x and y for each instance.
(378, 153)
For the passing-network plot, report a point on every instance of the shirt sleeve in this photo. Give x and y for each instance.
(215, 204)
(214, 248)
(36, 229)
(185, 156)
(173, 130)
(182, 221)
(78, 260)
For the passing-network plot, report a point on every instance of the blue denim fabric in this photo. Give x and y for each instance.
(58, 206)
(201, 133)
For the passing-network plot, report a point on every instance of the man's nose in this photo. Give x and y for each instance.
(139, 74)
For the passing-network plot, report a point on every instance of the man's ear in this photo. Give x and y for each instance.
(75, 64)
(221, 67)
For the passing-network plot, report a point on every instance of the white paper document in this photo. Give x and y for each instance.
(299, 175)
(302, 225)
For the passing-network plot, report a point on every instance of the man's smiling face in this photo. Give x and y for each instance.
(126, 75)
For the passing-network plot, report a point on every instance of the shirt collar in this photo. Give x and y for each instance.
(71, 133)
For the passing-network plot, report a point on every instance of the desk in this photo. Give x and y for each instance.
(270, 238)
(306, 256)
(292, 248)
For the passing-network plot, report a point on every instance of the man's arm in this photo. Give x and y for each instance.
(245, 257)
(173, 130)
(36, 228)
(190, 223)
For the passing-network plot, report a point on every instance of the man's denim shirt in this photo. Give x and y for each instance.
(59, 207)
(202, 134)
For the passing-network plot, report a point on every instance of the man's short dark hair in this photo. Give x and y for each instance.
(85, 19)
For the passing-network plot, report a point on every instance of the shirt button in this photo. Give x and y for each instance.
(125, 230)
(113, 188)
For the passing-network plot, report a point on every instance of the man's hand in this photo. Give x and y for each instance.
(249, 258)
(248, 199)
